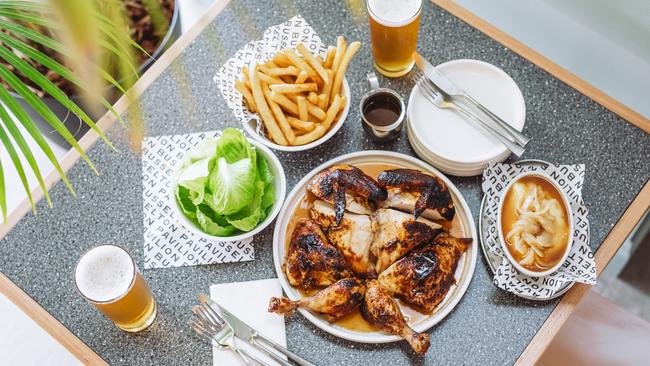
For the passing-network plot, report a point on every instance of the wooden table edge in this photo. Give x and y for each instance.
(556, 319)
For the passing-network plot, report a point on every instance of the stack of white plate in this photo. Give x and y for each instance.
(450, 142)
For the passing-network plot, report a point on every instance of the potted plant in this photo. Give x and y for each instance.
(57, 77)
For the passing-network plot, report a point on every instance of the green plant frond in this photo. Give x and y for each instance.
(3, 195)
(122, 55)
(24, 5)
(34, 75)
(10, 102)
(29, 18)
(24, 148)
(13, 155)
(32, 35)
(112, 31)
(42, 109)
(55, 66)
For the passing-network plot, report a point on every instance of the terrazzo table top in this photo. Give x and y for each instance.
(489, 326)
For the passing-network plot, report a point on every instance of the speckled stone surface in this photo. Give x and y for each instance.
(488, 327)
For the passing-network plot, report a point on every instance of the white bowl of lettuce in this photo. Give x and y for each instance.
(229, 187)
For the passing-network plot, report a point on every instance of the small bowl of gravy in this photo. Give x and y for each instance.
(535, 224)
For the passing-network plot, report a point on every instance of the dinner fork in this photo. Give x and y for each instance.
(211, 326)
(440, 100)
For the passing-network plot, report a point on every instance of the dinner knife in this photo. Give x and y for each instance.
(248, 334)
(453, 90)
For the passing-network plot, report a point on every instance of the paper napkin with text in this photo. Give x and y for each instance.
(579, 266)
(166, 242)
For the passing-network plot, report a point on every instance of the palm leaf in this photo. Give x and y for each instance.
(3, 198)
(12, 105)
(34, 75)
(42, 109)
(15, 160)
(28, 18)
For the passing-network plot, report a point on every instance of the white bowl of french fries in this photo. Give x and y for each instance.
(301, 99)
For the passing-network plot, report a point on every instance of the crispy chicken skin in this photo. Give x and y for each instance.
(353, 236)
(434, 193)
(337, 183)
(380, 309)
(311, 261)
(396, 234)
(424, 277)
(332, 303)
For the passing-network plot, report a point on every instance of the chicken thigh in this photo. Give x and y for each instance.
(311, 261)
(353, 236)
(432, 193)
(333, 302)
(380, 309)
(347, 187)
(396, 234)
(424, 277)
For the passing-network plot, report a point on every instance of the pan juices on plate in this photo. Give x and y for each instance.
(357, 251)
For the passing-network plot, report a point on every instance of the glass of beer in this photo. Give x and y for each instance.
(394, 28)
(107, 277)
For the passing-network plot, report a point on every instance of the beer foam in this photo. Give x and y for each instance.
(104, 273)
(393, 13)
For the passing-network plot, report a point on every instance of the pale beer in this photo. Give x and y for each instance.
(107, 277)
(394, 28)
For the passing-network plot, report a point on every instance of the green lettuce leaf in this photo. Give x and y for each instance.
(196, 189)
(213, 224)
(233, 146)
(184, 200)
(232, 185)
(248, 217)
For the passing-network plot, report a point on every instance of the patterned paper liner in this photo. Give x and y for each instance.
(579, 266)
(166, 242)
(275, 39)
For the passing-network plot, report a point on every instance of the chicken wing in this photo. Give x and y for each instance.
(380, 309)
(347, 186)
(311, 261)
(424, 277)
(433, 192)
(353, 236)
(332, 303)
(396, 234)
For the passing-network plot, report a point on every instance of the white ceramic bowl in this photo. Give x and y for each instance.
(280, 185)
(502, 241)
(463, 274)
(251, 128)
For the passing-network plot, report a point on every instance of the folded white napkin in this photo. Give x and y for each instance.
(249, 302)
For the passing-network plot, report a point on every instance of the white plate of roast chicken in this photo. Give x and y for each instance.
(374, 247)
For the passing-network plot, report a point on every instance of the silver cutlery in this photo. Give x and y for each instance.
(453, 91)
(245, 332)
(210, 325)
(440, 100)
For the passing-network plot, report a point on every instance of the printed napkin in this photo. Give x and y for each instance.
(275, 39)
(249, 302)
(166, 242)
(579, 266)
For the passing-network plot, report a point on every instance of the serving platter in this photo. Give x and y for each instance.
(463, 274)
(493, 260)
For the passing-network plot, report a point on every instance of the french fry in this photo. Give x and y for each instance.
(269, 79)
(331, 52)
(311, 136)
(340, 71)
(263, 109)
(301, 125)
(285, 103)
(313, 62)
(327, 89)
(301, 64)
(341, 46)
(316, 112)
(279, 116)
(282, 60)
(302, 108)
(280, 71)
(344, 102)
(313, 98)
(248, 96)
(244, 71)
(302, 77)
(323, 99)
(271, 64)
(294, 88)
(332, 111)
